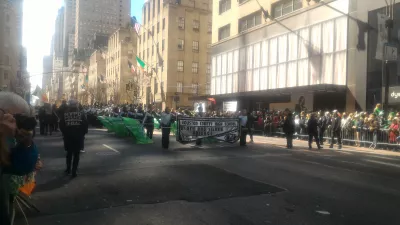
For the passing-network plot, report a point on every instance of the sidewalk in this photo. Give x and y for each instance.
(304, 144)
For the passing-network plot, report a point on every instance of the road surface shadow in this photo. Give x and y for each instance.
(192, 183)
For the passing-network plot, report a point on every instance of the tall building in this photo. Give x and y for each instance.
(19, 8)
(9, 46)
(94, 16)
(96, 78)
(180, 31)
(47, 73)
(296, 58)
(121, 81)
(59, 34)
(69, 31)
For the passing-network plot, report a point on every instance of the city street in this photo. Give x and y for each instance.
(263, 183)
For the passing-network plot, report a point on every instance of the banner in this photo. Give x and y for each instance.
(223, 129)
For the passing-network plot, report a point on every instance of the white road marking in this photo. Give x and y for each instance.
(383, 157)
(112, 149)
(383, 163)
(346, 153)
(323, 212)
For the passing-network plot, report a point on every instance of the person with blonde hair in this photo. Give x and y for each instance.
(17, 156)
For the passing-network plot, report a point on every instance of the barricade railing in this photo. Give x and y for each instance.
(362, 137)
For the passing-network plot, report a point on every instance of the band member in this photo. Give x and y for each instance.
(148, 122)
(166, 121)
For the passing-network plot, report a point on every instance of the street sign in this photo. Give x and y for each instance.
(390, 53)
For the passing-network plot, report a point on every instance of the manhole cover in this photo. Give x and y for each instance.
(107, 153)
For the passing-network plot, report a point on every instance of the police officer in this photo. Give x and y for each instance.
(75, 126)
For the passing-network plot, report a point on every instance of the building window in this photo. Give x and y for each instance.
(209, 27)
(196, 25)
(195, 46)
(181, 44)
(224, 32)
(152, 31)
(181, 23)
(180, 66)
(208, 71)
(5, 75)
(179, 87)
(158, 27)
(285, 7)
(224, 5)
(163, 23)
(249, 21)
(152, 50)
(162, 44)
(195, 67)
(195, 89)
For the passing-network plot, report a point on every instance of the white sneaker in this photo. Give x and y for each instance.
(83, 151)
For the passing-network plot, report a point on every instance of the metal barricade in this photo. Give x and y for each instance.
(374, 139)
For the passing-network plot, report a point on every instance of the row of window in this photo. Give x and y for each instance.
(280, 8)
(181, 25)
(150, 33)
(146, 10)
(195, 67)
(194, 88)
(288, 60)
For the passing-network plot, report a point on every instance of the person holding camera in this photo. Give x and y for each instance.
(18, 153)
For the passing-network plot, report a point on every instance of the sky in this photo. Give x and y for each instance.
(38, 28)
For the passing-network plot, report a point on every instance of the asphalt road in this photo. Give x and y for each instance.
(122, 183)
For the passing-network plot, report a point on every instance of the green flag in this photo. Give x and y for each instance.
(140, 62)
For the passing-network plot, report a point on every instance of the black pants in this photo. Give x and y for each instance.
(337, 135)
(165, 137)
(321, 135)
(73, 158)
(41, 127)
(289, 140)
(250, 132)
(243, 134)
(149, 131)
(310, 139)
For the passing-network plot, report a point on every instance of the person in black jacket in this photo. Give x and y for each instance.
(250, 125)
(336, 127)
(288, 129)
(312, 127)
(323, 124)
(74, 125)
(148, 122)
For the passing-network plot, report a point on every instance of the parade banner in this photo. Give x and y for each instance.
(190, 129)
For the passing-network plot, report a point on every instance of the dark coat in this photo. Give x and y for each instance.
(74, 125)
(336, 124)
(288, 125)
(312, 126)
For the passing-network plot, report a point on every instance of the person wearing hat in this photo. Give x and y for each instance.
(75, 126)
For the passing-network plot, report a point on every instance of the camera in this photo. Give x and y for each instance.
(25, 122)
